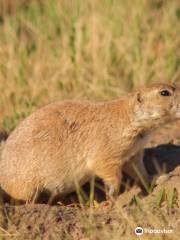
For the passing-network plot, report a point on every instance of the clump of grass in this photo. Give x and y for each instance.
(137, 201)
(170, 197)
(160, 197)
(51, 50)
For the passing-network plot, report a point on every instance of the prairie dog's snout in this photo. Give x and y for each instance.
(68, 142)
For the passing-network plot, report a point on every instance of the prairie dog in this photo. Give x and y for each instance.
(66, 143)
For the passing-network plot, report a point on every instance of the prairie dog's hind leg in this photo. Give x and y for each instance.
(20, 190)
(112, 185)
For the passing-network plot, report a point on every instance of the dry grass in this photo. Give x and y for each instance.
(96, 50)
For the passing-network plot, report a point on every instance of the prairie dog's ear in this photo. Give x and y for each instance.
(139, 97)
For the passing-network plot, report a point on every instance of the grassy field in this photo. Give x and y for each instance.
(51, 50)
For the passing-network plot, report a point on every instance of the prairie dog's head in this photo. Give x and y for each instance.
(159, 102)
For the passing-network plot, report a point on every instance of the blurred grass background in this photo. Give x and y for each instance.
(72, 49)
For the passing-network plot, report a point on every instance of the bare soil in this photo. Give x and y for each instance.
(158, 209)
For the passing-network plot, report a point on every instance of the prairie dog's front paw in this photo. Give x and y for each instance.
(111, 192)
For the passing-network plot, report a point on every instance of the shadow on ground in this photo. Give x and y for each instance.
(162, 159)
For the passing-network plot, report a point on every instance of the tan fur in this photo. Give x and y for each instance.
(66, 143)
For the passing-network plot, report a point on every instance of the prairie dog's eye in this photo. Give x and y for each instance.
(165, 93)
